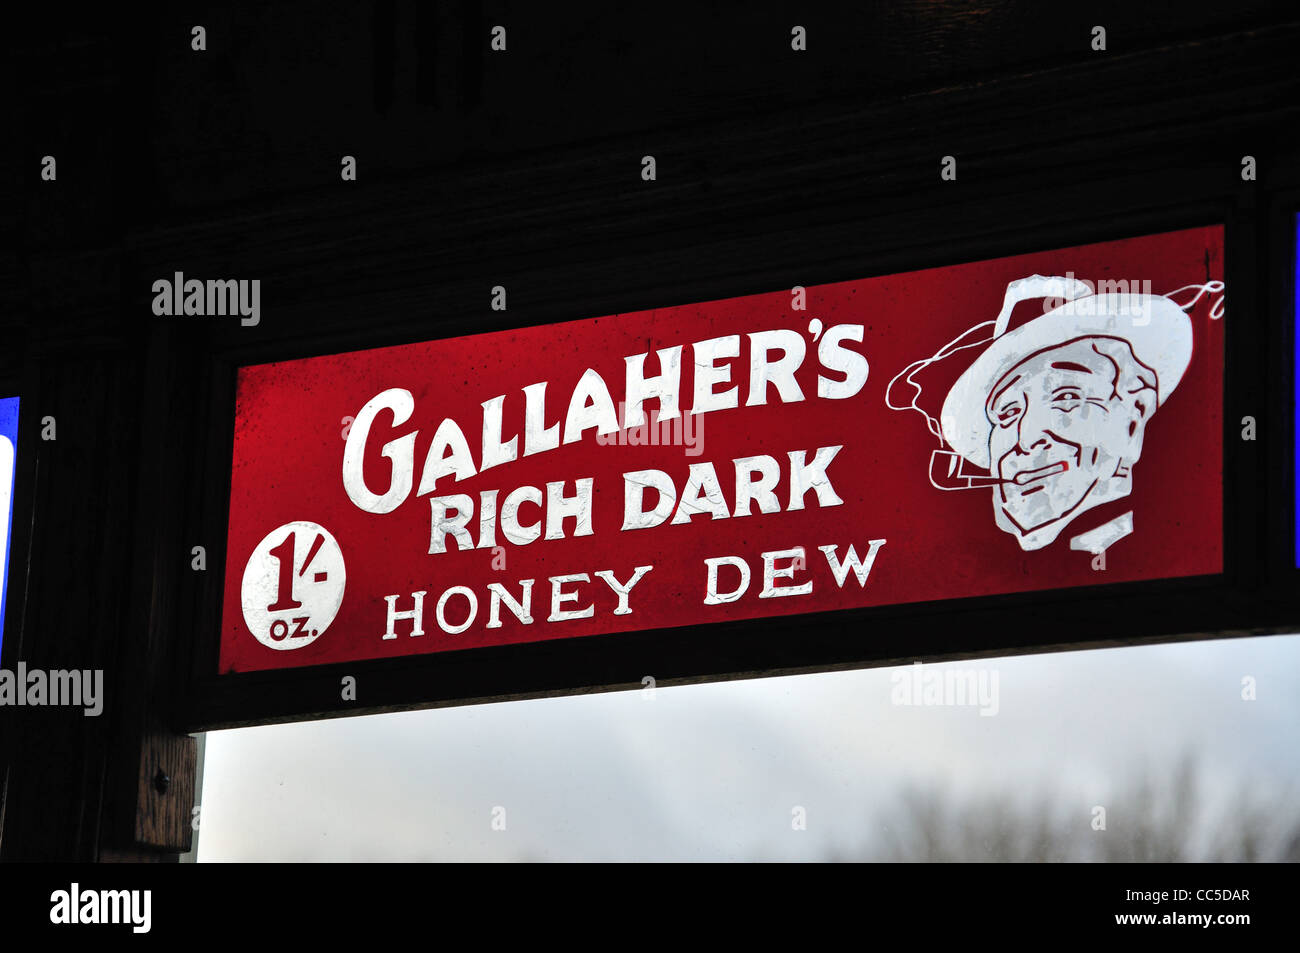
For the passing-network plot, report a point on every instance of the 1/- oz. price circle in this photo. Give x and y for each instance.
(293, 585)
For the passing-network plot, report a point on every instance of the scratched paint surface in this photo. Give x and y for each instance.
(289, 446)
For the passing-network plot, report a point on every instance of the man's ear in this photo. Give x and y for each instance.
(1142, 406)
(1144, 401)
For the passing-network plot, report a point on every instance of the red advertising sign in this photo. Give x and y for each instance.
(1044, 421)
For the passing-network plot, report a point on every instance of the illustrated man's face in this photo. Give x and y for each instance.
(1067, 425)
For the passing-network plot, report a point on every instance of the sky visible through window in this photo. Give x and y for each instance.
(1181, 751)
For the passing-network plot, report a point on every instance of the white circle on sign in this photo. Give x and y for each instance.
(293, 585)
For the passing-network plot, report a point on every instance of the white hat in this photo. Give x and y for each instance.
(1155, 326)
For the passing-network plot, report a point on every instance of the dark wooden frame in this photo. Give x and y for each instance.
(1242, 600)
(1282, 480)
(846, 188)
(796, 217)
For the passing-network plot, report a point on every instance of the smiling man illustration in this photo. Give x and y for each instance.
(1066, 429)
(1053, 411)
